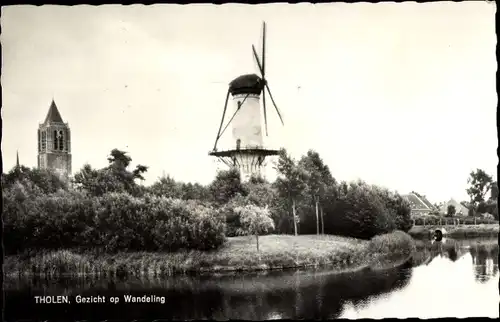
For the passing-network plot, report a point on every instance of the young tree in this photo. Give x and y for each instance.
(254, 221)
(291, 182)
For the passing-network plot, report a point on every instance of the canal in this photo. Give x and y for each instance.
(452, 278)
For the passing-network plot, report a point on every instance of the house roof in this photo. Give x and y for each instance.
(53, 116)
(427, 202)
(458, 206)
(417, 202)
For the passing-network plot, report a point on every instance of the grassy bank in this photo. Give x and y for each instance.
(459, 231)
(237, 254)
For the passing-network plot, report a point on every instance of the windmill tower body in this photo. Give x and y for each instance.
(247, 135)
(247, 122)
(247, 151)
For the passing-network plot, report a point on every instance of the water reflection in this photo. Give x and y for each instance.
(451, 278)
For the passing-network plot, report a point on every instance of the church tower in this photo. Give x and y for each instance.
(54, 143)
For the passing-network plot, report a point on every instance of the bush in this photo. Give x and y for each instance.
(395, 243)
(429, 220)
(112, 222)
(360, 212)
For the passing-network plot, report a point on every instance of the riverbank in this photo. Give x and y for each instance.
(236, 255)
(458, 231)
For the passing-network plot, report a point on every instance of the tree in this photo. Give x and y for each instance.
(114, 178)
(119, 159)
(166, 186)
(319, 178)
(196, 191)
(451, 211)
(398, 207)
(492, 208)
(291, 182)
(361, 212)
(226, 185)
(494, 191)
(479, 184)
(259, 192)
(46, 180)
(254, 221)
(138, 171)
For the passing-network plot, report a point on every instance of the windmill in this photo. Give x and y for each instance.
(247, 152)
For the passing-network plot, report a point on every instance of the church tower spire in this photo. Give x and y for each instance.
(54, 143)
(17, 159)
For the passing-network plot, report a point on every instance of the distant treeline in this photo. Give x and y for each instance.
(106, 209)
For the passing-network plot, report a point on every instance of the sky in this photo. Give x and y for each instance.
(401, 95)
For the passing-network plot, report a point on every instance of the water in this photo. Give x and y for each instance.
(447, 279)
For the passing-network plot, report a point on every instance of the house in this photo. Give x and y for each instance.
(460, 210)
(420, 206)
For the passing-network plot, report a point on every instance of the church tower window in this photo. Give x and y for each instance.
(56, 141)
(60, 139)
(44, 141)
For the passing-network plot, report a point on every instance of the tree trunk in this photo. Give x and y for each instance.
(294, 217)
(322, 221)
(317, 217)
(257, 238)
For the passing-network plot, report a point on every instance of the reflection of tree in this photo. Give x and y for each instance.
(484, 256)
(284, 295)
(452, 254)
(452, 249)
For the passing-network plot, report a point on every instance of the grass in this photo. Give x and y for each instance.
(236, 255)
(459, 231)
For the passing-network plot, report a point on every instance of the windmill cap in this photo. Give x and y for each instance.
(246, 84)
